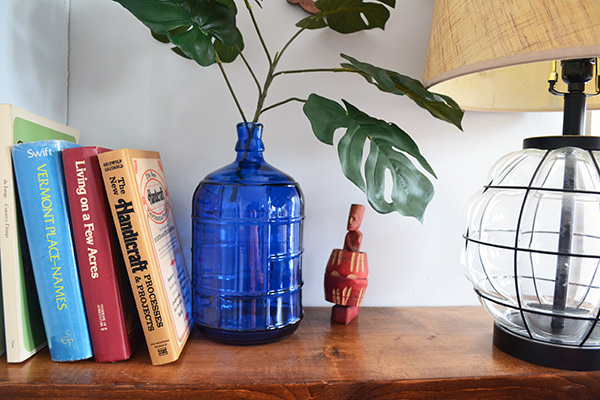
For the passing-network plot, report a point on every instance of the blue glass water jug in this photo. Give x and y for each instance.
(247, 248)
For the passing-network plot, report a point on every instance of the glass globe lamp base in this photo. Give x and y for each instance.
(547, 354)
(248, 337)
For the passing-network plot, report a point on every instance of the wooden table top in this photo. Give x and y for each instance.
(387, 353)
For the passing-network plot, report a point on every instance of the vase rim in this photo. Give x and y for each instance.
(242, 124)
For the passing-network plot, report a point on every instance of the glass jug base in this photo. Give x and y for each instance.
(248, 338)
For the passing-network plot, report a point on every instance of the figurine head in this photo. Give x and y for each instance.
(357, 212)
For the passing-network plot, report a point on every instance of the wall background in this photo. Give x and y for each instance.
(127, 90)
(34, 56)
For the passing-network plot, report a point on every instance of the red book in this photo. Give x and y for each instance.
(110, 307)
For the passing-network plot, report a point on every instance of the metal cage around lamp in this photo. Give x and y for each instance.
(532, 252)
(532, 241)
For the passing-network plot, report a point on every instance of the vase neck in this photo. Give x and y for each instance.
(249, 146)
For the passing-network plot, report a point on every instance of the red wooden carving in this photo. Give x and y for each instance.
(347, 272)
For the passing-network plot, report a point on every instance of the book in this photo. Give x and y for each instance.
(22, 316)
(112, 318)
(141, 208)
(40, 182)
(2, 341)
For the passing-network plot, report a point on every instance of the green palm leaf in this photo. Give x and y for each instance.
(440, 106)
(196, 27)
(349, 16)
(389, 148)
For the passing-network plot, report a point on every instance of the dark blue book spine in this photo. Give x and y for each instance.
(40, 184)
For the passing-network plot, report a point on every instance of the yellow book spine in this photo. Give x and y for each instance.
(150, 245)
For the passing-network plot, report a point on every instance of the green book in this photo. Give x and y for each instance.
(23, 325)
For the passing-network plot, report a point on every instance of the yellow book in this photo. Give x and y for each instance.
(139, 202)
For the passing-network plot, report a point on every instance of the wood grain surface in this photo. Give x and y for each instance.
(386, 353)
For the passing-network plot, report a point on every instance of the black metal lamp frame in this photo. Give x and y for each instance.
(576, 73)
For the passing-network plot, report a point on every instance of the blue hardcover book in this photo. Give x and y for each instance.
(41, 188)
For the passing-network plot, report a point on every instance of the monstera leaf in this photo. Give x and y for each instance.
(389, 146)
(349, 16)
(199, 28)
(440, 106)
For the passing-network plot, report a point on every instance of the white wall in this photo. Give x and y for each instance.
(33, 56)
(126, 90)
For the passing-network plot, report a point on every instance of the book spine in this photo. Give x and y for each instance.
(140, 259)
(98, 257)
(151, 185)
(23, 319)
(40, 181)
(2, 336)
(22, 315)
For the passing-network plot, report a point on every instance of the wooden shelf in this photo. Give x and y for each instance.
(387, 353)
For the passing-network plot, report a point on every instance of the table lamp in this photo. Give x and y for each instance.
(532, 240)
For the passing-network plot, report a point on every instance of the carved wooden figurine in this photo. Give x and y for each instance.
(347, 272)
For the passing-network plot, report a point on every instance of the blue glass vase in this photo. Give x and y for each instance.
(247, 248)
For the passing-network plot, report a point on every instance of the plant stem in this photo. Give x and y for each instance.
(250, 70)
(235, 99)
(257, 29)
(263, 95)
(278, 56)
(271, 74)
(282, 103)
(301, 71)
(296, 71)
